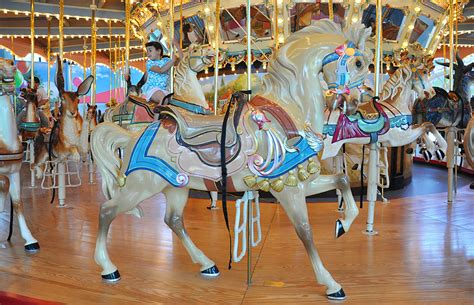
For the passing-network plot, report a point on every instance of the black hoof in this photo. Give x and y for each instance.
(34, 247)
(339, 229)
(112, 277)
(212, 272)
(471, 186)
(440, 154)
(340, 295)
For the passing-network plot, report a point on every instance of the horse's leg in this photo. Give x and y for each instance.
(324, 183)
(294, 202)
(31, 244)
(125, 200)
(176, 199)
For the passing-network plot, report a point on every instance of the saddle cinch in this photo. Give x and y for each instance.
(201, 134)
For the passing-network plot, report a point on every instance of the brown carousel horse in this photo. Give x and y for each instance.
(29, 122)
(65, 136)
(11, 156)
(270, 143)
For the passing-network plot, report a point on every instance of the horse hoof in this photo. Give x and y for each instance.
(211, 272)
(440, 154)
(340, 295)
(112, 277)
(32, 248)
(427, 155)
(339, 229)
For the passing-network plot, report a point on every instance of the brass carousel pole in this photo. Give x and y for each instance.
(110, 60)
(216, 61)
(451, 131)
(84, 70)
(127, 35)
(171, 43)
(48, 59)
(374, 153)
(93, 51)
(331, 10)
(181, 24)
(61, 29)
(32, 28)
(249, 87)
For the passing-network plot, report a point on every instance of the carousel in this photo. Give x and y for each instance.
(347, 122)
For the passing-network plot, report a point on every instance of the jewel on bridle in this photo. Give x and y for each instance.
(259, 117)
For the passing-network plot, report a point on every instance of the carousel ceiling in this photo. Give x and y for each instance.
(150, 16)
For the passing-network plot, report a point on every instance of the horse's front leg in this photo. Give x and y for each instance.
(31, 244)
(293, 200)
(176, 199)
(324, 183)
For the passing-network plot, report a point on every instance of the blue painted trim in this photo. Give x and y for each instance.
(190, 107)
(293, 159)
(140, 160)
(30, 126)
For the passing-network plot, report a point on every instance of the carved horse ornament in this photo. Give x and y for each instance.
(186, 88)
(11, 155)
(272, 144)
(30, 124)
(66, 134)
(389, 121)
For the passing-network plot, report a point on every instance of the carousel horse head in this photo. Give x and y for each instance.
(70, 100)
(91, 113)
(133, 89)
(29, 95)
(462, 76)
(198, 57)
(324, 47)
(7, 76)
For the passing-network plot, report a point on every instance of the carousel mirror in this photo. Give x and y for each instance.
(422, 31)
(303, 14)
(193, 31)
(392, 19)
(233, 23)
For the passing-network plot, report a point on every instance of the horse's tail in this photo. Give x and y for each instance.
(106, 140)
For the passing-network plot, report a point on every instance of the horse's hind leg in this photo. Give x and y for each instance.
(294, 203)
(125, 200)
(31, 244)
(176, 199)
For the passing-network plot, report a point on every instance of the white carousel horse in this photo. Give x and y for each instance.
(181, 150)
(389, 122)
(64, 141)
(186, 87)
(11, 155)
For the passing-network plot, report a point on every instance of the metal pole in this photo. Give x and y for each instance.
(93, 51)
(48, 59)
(249, 202)
(451, 134)
(373, 154)
(32, 28)
(61, 30)
(216, 61)
(127, 35)
(171, 43)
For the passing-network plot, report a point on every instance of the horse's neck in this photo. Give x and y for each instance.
(403, 100)
(70, 129)
(465, 88)
(188, 87)
(31, 113)
(9, 140)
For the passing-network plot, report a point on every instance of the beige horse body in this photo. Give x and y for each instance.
(11, 155)
(186, 87)
(292, 84)
(65, 139)
(88, 124)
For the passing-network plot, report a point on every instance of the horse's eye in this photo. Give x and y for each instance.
(358, 63)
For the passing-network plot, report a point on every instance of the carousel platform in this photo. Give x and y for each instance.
(424, 252)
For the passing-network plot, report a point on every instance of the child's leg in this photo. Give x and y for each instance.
(157, 96)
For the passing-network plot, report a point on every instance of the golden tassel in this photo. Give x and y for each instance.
(121, 179)
(291, 180)
(302, 173)
(250, 181)
(313, 167)
(277, 185)
(264, 185)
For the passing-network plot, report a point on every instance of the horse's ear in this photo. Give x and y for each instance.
(459, 60)
(59, 76)
(468, 68)
(85, 86)
(88, 106)
(141, 82)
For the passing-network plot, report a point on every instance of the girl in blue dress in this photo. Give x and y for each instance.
(157, 70)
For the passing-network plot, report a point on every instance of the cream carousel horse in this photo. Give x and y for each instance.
(66, 134)
(11, 155)
(271, 143)
(186, 87)
(390, 121)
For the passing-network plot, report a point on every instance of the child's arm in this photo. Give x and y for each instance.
(163, 69)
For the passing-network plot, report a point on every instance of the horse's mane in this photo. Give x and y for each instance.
(397, 81)
(283, 72)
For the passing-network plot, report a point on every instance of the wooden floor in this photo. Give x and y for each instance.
(424, 254)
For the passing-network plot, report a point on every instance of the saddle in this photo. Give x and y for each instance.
(368, 111)
(201, 134)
